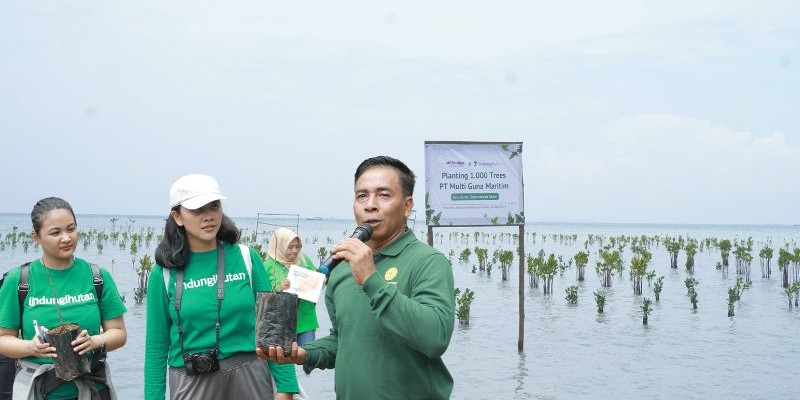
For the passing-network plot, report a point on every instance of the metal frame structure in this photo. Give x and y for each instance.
(296, 225)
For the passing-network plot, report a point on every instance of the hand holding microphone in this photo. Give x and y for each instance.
(363, 233)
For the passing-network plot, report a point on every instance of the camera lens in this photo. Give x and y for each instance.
(203, 363)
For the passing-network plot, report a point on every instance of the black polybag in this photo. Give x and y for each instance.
(276, 320)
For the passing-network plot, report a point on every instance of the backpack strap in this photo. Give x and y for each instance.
(24, 286)
(165, 272)
(97, 280)
(248, 263)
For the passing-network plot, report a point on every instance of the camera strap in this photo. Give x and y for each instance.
(220, 292)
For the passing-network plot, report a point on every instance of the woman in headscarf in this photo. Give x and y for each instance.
(284, 251)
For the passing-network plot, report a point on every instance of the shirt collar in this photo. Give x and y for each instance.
(395, 247)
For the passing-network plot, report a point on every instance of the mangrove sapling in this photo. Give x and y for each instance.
(765, 256)
(563, 266)
(796, 289)
(482, 255)
(639, 267)
(691, 291)
(784, 258)
(548, 270)
(506, 257)
(673, 247)
(149, 236)
(581, 260)
(741, 286)
(719, 268)
(534, 266)
(259, 248)
(690, 282)
(572, 295)
(691, 250)
(600, 299)
(658, 286)
(13, 237)
(732, 296)
(791, 292)
(650, 276)
(322, 254)
(143, 271)
(463, 304)
(646, 309)
(464, 256)
(743, 261)
(610, 263)
(724, 252)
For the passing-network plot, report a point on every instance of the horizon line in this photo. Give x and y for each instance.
(545, 222)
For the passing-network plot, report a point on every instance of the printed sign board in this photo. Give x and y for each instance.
(474, 183)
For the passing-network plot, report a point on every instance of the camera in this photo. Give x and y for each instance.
(201, 363)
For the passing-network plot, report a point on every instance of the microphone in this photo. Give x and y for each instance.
(363, 232)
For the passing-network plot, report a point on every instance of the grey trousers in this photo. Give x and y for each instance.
(242, 376)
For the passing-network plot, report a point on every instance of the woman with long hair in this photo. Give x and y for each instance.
(201, 303)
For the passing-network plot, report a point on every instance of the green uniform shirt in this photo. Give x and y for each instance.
(306, 310)
(74, 288)
(199, 315)
(388, 335)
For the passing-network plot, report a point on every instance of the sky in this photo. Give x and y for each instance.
(629, 111)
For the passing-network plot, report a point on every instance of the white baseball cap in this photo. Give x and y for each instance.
(194, 191)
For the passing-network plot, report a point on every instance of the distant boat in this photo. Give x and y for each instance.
(314, 218)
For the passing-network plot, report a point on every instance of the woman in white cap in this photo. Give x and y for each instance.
(202, 327)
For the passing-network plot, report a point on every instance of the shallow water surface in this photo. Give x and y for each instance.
(570, 352)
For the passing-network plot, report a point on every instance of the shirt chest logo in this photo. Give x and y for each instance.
(212, 280)
(390, 274)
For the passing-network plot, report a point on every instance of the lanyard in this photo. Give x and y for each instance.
(220, 292)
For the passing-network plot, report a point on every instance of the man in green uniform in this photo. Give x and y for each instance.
(390, 303)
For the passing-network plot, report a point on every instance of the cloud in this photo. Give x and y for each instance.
(689, 141)
(453, 30)
(668, 168)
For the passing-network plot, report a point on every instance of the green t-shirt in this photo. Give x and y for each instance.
(199, 315)
(306, 310)
(74, 289)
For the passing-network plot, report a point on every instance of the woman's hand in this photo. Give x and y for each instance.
(284, 285)
(85, 343)
(39, 349)
(298, 355)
